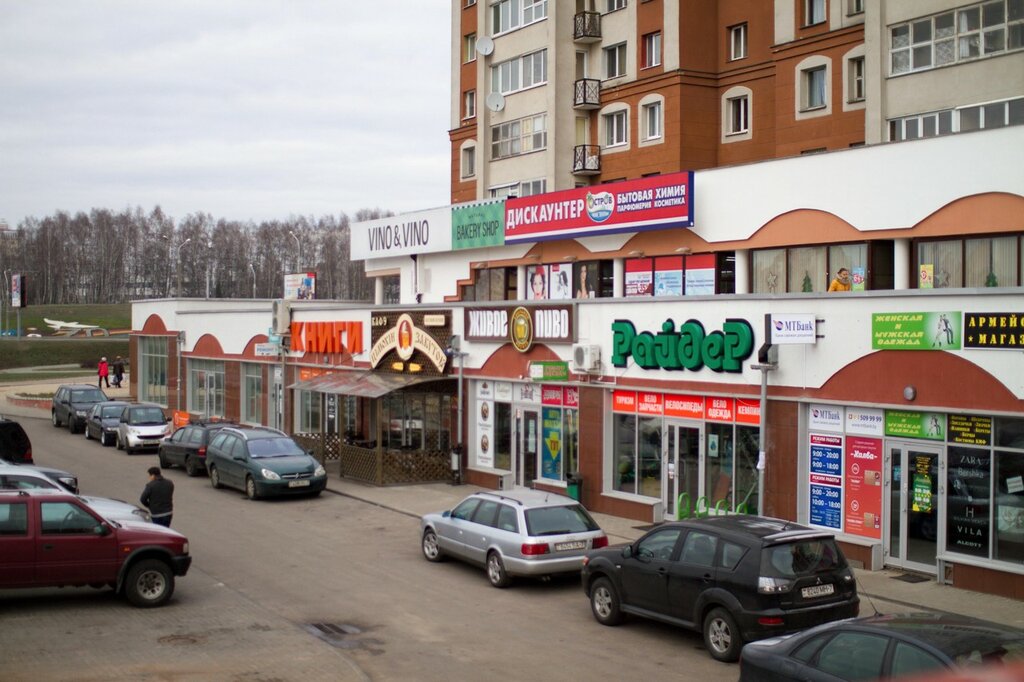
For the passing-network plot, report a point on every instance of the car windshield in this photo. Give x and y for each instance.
(112, 410)
(274, 447)
(982, 649)
(559, 520)
(88, 395)
(147, 415)
(801, 558)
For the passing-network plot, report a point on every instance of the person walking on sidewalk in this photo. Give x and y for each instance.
(103, 370)
(158, 497)
(118, 371)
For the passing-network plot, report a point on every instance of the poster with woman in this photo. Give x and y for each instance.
(586, 280)
(560, 281)
(538, 278)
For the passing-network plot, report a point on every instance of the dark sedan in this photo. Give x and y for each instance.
(921, 645)
(186, 447)
(102, 421)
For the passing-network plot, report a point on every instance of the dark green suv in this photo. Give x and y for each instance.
(263, 462)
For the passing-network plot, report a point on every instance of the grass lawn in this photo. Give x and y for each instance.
(114, 317)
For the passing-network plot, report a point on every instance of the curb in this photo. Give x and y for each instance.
(37, 403)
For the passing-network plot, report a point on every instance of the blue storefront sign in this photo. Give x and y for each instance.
(826, 505)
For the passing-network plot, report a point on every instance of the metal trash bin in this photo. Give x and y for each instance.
(573, 485)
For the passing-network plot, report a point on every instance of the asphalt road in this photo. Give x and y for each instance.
(309, 589)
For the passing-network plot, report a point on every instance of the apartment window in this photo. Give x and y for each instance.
(520, 73)
(615, 61)
(507, 15)
(615, 126)
(814, 12)
(521, 136)
(651, 116)
(972, 32)
(855, 7)
(469, 108)
(856, 79)
(528, 188)
(469, 48)
(739, 114)
(252, 398)
(652, 49)
(503, 192)
(947, 121)
(492, 284)
(470, 3)
(814, 88)
(738, 42)
(616, 4)
(469, 162)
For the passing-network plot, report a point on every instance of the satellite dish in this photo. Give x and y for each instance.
(495, 101)
(484, 45)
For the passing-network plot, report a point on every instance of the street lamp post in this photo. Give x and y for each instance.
(298, 250)
(178, 291)
(253, 269)
(209, 245)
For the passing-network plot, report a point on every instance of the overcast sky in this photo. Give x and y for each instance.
(245, 109)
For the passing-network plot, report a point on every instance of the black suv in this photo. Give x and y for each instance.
(71, 404)
(15, 445)
(186, 447)
(735, 578)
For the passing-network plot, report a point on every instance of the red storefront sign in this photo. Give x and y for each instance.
(863, 496)
(719, 409)
(684, 406)
(624, 401)
(571, 397)
(551, 395)
(748, 411)
(650, 403)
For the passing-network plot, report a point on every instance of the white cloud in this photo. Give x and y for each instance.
(254, 109)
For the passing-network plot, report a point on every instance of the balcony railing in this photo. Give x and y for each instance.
(586, 159)
(586, 93)
(586, 27)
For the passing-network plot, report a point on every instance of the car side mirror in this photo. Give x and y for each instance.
(103, 529)
(446, 513)
(627, 551)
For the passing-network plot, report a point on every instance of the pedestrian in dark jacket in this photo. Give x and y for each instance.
(118, 371)
(103, 370)
(158, 497)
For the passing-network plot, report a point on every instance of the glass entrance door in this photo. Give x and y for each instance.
(681, 484)
(912, 505)
(527, 446)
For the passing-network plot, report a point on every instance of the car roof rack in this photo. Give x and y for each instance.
(499, 496)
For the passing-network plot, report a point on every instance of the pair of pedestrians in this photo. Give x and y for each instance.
(104, 370)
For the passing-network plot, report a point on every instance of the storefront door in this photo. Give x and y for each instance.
(912, 505)
(527, 446)
(681, 484)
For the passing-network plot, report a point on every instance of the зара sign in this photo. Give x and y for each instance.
(689, 347)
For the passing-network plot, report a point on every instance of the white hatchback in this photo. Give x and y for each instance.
(142, 426)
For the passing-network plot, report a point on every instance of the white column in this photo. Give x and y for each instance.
(619, 277)
(901, 264)
(522, 286)
(378, 291)
(742, 266)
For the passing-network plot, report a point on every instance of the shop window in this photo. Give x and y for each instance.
(991, 262)
(310, 414)
(968, 501)
(153, 369)
(769, 271)
(206, 387)
(571, 440)
(940, 264)
(252, 393)
(503, 436)
(807, 269)
(492, 284)
(392, 289)
(718, 466)
(853, 257)
(624, 453)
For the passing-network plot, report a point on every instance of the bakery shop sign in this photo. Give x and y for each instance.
(405, 337)
(522, 326)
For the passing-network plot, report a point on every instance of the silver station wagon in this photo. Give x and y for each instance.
(513, 533)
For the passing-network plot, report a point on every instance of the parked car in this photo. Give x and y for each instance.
(65, 479)
(186, 447)
(513, 533)
(72, 402)
(21, 478)
(141, 427)
(50, 538)
(735, 578)
(15, 445)
(922, 645)
(102, 421)
(262, 462)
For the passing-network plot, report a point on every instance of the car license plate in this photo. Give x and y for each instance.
(565, 546)
(298, 484)
(818, 591)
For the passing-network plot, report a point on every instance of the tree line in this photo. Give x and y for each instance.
(113, 257)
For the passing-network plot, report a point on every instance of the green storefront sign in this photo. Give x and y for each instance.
(927, 425)
(690, 347)
(916, 331)
(549, 370)
(478, 226)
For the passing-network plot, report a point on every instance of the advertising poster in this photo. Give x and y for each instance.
(999, 331)
(551, 462)
(700, 275)
(859, 279)
(826, 505)
(17, 291)
(485, 433)
(863, 477)
(585, 280)
(668, 276)
(916, 331)
(300, 286)
(826, 454)
(825, 418)
(476, 226)
(639, 277)
(537, 277)
(967, 500)
(926, 276)
(927, 425)
(560, 281)
(826, 480)
(865, 421)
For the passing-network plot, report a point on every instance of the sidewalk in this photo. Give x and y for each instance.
(881, 591)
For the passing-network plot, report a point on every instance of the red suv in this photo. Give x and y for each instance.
(49, 538)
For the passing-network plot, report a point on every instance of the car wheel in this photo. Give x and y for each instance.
(191, 467)
(104, 439)
(149, 583)
(117, 442)
(496, 572)
(53, 418)
(604, 602)
(71, 425)
(164, 464)
(215, 477)
(722, 636)
(431, 550)
(250, 488)
(86, 432)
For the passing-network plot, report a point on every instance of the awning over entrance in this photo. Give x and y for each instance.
(364, 384)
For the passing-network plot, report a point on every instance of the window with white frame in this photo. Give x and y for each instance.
(310, 412)
(975, 31)
(469, 47)
(252, 393)
(507, 15)
(652, 119)
(652, 50)
(503, 191)
(948, 121)
(521, 136)
(854, 7)
(738, 41)
(529, 188)
(615, 4)
(206, 387)
(855, 79)
(814, 12)
(153, 369)
(738, 118)
(615, 61)
(814, 88)
(616, 131)
(470, 3)
(468, 161)
(520, 73)
(469, 106)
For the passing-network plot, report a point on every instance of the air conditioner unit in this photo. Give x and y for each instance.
(586, 358)
(506, 481)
